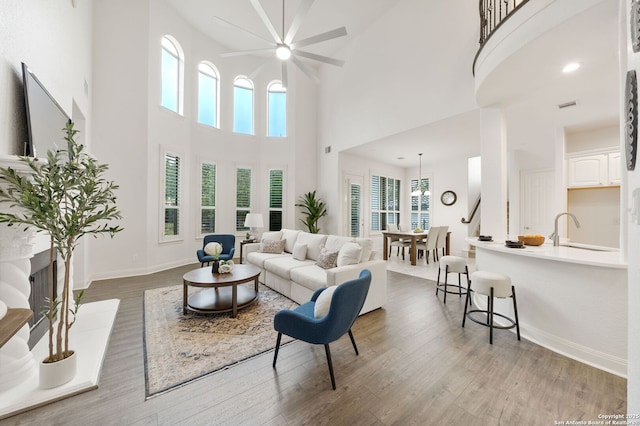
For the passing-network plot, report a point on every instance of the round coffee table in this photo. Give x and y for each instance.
(223, 293)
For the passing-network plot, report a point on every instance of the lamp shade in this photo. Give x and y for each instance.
(253, 220)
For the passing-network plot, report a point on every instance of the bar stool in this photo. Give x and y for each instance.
(452, 265)
(492, 285)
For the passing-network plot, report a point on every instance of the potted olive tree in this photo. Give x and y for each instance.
(313, 208)
(67, 197)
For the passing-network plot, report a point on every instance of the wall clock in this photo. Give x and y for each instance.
(631, 119)
(448, 198)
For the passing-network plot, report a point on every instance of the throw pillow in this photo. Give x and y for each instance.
(367, 247)
(323, 302)
(327, 259)
(271, 246)
(272, 235)
(299, 251)
(349, 254)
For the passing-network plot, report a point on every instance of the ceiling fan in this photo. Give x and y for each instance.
(284, 44)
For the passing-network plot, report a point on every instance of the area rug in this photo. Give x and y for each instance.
(182, 348)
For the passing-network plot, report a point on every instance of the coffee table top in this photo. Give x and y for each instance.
(204, 277)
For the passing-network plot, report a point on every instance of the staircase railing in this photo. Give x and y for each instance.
(492, 14)
(473, 213)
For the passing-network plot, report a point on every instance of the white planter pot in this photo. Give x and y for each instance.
(54, 374)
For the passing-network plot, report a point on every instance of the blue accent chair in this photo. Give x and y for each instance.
(228, 242)
(345, 306)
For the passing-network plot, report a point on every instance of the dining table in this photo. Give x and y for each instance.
(409, 235)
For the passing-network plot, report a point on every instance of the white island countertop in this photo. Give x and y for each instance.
(576, 253)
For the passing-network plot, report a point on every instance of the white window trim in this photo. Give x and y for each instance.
(217, 100)
(284, 195)
(180, 57)
(201, 161)
(162, 238)
(286, 112)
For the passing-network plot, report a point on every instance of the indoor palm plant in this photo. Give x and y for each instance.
(313, 208)
(67, 197)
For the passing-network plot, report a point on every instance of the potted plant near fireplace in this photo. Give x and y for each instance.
(67, 197)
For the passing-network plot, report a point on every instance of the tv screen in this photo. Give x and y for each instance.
(46, 120)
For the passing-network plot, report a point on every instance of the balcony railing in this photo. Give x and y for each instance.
(492, 14)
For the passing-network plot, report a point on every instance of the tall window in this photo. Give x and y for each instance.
(243, 197)
(276, 197)
(356, 208)
(172, 66)
(207, 95)
(277, 110)
(420, 205)
(243, 106)
(385, 202)
(172, 197)
(208, 198)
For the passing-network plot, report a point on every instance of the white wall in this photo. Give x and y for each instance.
(590, 139)
(131, 120)
(410, 68)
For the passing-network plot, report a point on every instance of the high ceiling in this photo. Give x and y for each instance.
(529, 85)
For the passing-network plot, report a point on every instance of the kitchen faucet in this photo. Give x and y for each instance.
(555, 236)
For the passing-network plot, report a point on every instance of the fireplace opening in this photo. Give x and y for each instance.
(39, 279)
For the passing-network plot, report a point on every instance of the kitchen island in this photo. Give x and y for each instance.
(572, 300)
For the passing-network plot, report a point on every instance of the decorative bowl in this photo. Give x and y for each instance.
(531, 241)
(485, 238)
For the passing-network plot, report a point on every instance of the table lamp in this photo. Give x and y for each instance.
(253, 221)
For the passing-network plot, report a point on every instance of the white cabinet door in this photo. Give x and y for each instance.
(614, 168)
(589, 170)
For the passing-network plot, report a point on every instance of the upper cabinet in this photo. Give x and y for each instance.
(594, 170)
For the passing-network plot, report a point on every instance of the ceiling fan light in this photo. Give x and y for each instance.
(283, 52)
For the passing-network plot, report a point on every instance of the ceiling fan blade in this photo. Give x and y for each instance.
(285, 81)
(315, 57)
(303, 9)
(338, 32)
(246, 52)
(258, 69)
(305, 69)
(265, 19)
(231, 25)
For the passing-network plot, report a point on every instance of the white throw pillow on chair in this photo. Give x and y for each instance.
(323, 302)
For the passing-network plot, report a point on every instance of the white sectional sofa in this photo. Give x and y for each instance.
(295, 273)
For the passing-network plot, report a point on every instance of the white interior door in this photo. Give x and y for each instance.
(536, 195)
(355, 219)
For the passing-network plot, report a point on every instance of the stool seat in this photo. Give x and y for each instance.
(492, 285)
(452, 265)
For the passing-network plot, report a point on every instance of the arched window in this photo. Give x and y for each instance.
(172, 70)
(208, 89)
(277, 110)
(243, 105)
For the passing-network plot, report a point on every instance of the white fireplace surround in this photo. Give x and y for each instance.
(18, 366)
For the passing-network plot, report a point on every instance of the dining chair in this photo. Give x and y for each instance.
(397, 241)
(429, 246)
(442, 240)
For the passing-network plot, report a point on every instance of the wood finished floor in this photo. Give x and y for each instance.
(416, 366)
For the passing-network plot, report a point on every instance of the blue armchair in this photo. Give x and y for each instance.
(345, 306)
(228, 242)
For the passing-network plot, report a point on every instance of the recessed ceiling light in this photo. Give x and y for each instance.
(571, 67)
(399, 158)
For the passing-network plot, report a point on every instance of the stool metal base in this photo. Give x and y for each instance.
(444, 286)
(490, 314)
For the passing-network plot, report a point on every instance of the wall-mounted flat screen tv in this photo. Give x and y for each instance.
(46, 119)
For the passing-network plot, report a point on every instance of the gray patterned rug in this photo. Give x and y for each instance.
(182, 348)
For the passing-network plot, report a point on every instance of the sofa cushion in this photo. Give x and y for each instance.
(312, 277)
(282, 266)
(367, 247)
(349, 254)
(327, 259)
(257, 258)
(323, 302)
(335, 242)
(290, 236)
(314, 243)
(272, 246)
(272, 235)
(299, 251)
